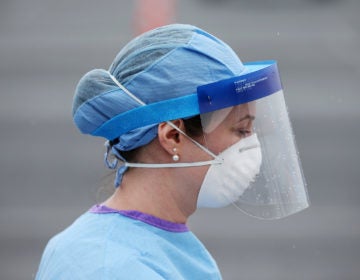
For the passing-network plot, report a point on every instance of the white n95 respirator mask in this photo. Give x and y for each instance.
(224, 183)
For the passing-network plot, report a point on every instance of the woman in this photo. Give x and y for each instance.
(188, 125)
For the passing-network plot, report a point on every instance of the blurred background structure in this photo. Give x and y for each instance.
(50, 174)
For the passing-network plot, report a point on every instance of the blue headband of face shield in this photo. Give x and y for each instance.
(259, 80)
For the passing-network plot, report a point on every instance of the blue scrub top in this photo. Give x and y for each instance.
(108, 244)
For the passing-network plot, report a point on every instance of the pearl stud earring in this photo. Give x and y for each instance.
(175, 156)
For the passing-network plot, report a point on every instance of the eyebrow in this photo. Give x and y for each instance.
(251, 117)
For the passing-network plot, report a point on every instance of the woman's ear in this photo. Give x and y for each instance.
(170, 137)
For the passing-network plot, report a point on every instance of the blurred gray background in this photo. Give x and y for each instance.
(50, 174)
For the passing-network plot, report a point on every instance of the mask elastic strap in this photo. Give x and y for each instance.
(216, 159)
(166, 165)
(126, 90)
(192, 140)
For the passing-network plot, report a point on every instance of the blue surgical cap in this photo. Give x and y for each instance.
(164, 63)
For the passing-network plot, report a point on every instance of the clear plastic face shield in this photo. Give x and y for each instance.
(247, 132)
(261, 173)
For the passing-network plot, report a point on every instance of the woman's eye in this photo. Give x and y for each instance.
(243, 132)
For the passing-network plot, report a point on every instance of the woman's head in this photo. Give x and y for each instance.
(167, 63)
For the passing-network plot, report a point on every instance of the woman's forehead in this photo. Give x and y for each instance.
(239, 112)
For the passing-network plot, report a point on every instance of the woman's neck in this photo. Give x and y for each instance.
(154, 192)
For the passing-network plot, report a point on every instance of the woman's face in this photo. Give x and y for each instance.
(234, 126)
(237, 125)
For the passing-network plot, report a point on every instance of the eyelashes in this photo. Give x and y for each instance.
(242, 132)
